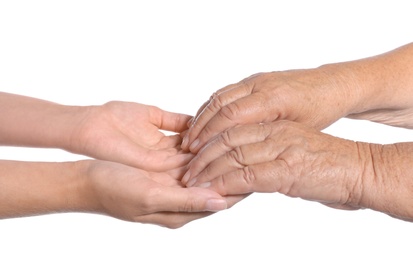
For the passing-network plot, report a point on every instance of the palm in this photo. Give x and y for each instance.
(130, 133)
(149, 197)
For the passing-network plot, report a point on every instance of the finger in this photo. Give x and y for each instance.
(239, 158)
(200, 111)
(225, 142)
(170, 178)
(171, 220)
(245, 110)
(170, 121)
(171, 141)
(265, 177)
(216, 93)
(163, 160)
(176, 199)
(175, 220)
(214, 105)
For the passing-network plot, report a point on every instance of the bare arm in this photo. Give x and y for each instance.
(37, 188)
(124, 132)
(100, 187)
(27, 121)
(377, 88)
(386, 184)
(385, 83)
(298, 161)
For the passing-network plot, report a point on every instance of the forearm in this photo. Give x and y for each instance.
(383, 85)
(27, 121)
(386, 184)
(37, 188)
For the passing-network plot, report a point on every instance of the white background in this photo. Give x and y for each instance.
(174, 54)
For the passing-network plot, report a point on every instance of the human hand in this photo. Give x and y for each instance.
(312, 97)
(284, 157)
(130, 133)
(158, 198)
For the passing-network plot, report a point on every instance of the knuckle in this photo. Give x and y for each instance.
(263, 130)
(249, 176)
(216, 103)
(231, 111)
(226, 138)
(237, 156)
(207, 131)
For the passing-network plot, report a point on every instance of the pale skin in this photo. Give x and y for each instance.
(135, 175)
(103, 187)
(124, 132)
(262, 135)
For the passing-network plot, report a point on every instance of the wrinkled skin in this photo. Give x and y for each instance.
(376, 88)
(298, 161)
(299, 95)
(283, 157)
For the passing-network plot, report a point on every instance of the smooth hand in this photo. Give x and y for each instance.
(131, 133)
(136, 195)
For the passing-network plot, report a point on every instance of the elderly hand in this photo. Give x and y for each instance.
(377, 88)
(295, 160)
(307, 96)
(283, 157)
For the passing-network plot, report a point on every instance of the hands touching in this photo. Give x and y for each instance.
(133, 194)
(298, 161)
(130, 133)
(259, 135)
(236, 156)
(376, 88)
(103, 187)
(304, 96)
(123, 132)
(284, 157)
(136, 176)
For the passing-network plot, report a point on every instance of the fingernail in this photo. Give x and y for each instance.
(216, 205)
(194, 145)
(184, 142)
(191, 182)
(186, 177)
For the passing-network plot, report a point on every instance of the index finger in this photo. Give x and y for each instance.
(245, 110)
(209, 109)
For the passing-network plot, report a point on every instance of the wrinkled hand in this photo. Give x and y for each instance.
(136, 195)
(311, 97)
(283, 156)
(129, 133)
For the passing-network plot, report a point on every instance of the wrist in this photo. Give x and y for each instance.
(73, 135)
(83, 198)
(385, 182)
(38, 188)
